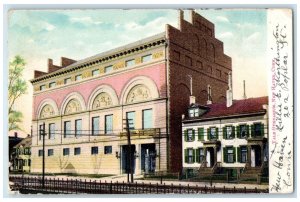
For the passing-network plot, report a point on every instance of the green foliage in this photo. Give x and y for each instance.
(16, 87)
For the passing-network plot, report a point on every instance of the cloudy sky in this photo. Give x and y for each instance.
(42, 34)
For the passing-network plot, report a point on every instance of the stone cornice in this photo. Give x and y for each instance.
(127, 50)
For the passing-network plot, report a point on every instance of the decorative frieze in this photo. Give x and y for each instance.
(73, 106)
(138, 93)
(158, 55)
(119, 65)
(86, 74)
(47, 111)
(102, 100)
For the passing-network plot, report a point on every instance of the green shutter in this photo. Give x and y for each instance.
(208, 134)
(201, 134)
(247, 130)
(252, 130)
(198, 155)
(239, 154)
(234, 154)
(224, 132)
(238, 132)
(233, 132)
(185, 155)
(194, 151)
(225, 154)
(193, 135)
(262, 129)
(185, 135)
(217, 133)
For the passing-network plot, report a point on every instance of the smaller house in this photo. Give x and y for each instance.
(229, 138)
(21, 155)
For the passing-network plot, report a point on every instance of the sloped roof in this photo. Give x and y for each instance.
(239, 107)
(26, 142)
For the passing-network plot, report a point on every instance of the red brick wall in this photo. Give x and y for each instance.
(194, 51)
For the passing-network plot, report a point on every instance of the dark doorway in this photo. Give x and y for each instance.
(125, 158)
(212, 156)
(257, 152)
(148, 156)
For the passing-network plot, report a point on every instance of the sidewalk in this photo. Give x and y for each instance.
(123, 178)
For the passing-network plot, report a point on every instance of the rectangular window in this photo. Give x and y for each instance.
(130, 63)
(107, 149)
(213, 133)
(243, 154)
(190, 134)
(95, 126)
(131, 118)
(40, 152)
(77, 151)
(50, 152)
(51, 131)
(67, 80)
(78, 127)
(243, 131)
(95, 72)
(42, 87)
(66, 151)
(229, 155)
(67, 129)
(190, 156)
(108, 124)
(52, 84)
(108, 69)
(257, 129)
(194, 112)
(229, 133)
(201, 155)
(94, 150)
(78, 77)
(146, 58)
(147, 119)
(41, 131)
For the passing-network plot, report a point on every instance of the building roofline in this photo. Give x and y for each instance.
(262, 112)
(107, 55)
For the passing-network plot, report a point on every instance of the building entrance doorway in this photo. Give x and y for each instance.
(125, 159)
(148, 157)
(210, 157)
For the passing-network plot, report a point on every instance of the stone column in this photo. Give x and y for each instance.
(215, 154)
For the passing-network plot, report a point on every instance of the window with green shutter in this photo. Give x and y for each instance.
(225, 154)
(238, 132)
(208, 134)
(186, 155)
(217, 134)
(224, 132)
(234, 154)
(252, 130)
(200, 134)
(238, 154)
(231, 154)
(262, 129)
(198, 155)
(185, 135)
(194, 152)
(193, 135)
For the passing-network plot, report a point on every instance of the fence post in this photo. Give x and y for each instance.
(136, 188)
(164, 188)
(256, 190)
(224, 189)
(123, 187)
(150, 187)
(157, 188)
(234, 190)
(205, 190)
(179, 188)
(172, 188)
(245, 190)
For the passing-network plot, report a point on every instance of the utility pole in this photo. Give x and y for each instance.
(43, 176)
(129, 156)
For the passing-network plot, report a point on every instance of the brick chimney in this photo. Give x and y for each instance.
(229, 95)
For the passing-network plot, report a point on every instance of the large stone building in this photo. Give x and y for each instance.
(84, 103)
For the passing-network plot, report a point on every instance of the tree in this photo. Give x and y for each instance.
(17, 87)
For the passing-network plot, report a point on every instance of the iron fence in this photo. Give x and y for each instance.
(75, 186)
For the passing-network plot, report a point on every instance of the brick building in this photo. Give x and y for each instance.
(83, 103)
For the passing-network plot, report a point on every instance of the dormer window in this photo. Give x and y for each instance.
(194, 112)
